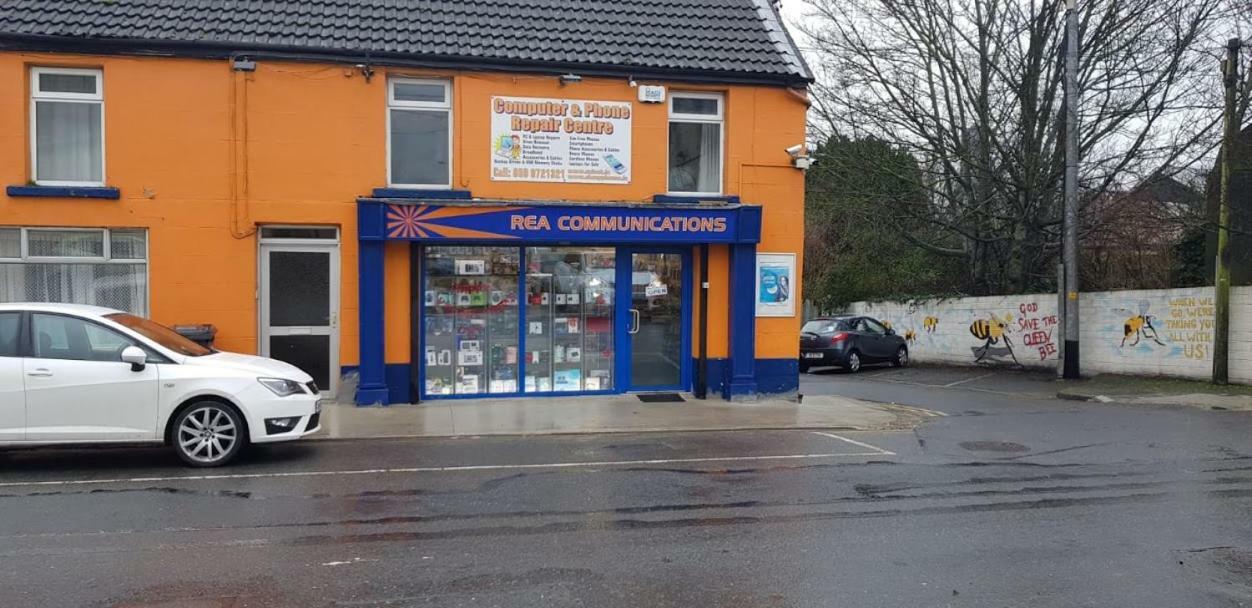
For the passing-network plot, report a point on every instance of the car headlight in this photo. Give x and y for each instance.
(281, 387)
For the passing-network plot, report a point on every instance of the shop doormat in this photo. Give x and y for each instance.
(661, 398)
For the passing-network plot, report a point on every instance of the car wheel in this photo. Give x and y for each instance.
(854, 362)
(208, 434)
(902, 357)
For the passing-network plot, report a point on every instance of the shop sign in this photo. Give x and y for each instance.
(560, 140)
(559, 223)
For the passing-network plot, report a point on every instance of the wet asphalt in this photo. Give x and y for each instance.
(1003, 497)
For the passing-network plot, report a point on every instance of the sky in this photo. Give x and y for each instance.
(793, 12)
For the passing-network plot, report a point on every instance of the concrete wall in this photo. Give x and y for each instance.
(1179, 341)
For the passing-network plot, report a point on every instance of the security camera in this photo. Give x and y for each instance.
(800, 156)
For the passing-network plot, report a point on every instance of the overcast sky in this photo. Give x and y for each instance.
(792, 12)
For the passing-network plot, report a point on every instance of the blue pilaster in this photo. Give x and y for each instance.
(741, 377)
(373, 386)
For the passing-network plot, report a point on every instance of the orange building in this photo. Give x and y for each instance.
(485, 198)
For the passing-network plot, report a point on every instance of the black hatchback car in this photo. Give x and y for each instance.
(849, 342)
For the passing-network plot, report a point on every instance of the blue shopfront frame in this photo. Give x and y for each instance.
(630, 227)
(622, 342)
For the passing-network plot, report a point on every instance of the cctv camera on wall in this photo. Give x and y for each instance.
(800, 156)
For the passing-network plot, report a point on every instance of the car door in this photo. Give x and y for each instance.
(12, 386)
(78, 388)
(863, 340)
(876, 334)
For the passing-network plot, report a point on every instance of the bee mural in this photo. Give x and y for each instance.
(1140, 325)
(910, 336)
(992, 331)
(930, 324)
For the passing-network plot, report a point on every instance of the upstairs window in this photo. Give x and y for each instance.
(67, 126)
(695, 143)
(419, 133)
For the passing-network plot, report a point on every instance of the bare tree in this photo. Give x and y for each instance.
(974, 89)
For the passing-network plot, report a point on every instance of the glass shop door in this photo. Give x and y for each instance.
(658, 323)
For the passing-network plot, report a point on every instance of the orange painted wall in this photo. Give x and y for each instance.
(300, 142)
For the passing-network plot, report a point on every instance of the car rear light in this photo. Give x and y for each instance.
(839, 337)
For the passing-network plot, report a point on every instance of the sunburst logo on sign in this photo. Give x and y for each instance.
(402, 221)
(412, 222)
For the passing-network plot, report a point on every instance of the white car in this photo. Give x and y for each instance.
(73, 374)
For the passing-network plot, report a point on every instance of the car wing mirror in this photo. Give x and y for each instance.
(135, 357)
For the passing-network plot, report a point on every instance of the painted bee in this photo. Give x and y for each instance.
(910, 336)
(992, 331)
(930, 324)
(1140, 325)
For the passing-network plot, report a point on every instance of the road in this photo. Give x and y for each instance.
(1008, 499)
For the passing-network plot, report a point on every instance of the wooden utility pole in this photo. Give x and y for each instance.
(1221, 327)
(1070, 368)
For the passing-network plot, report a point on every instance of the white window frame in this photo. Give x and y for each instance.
(427, 106)
(37, 95)
(27, 257)
(280, 240)
(719, 119)
(24, 256)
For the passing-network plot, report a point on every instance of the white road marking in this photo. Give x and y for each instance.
(355, 560)
(862, 444)
(966, 388)
(952, 384)
(448, 469)
(920, 411)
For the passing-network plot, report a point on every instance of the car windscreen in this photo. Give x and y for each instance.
(160, 334)
(824, 327)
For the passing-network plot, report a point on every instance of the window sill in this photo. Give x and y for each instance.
(445, 194)
(102, 192)
(691, 199)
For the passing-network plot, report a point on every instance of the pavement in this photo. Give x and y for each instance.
(1136, 390)
(818, 409)
(1035, 384)
(1005, 496)
(606, 414)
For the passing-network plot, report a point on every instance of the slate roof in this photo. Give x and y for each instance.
(711, 39)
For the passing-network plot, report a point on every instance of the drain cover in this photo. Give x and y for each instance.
(994, 446)
(661, 398)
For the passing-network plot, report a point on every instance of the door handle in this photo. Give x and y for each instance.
(634, 317)
(41, 373)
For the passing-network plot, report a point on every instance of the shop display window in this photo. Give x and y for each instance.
(471, 320)
(474, 320)
(569, 319)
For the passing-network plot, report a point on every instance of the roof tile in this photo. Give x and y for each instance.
(731, 37)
